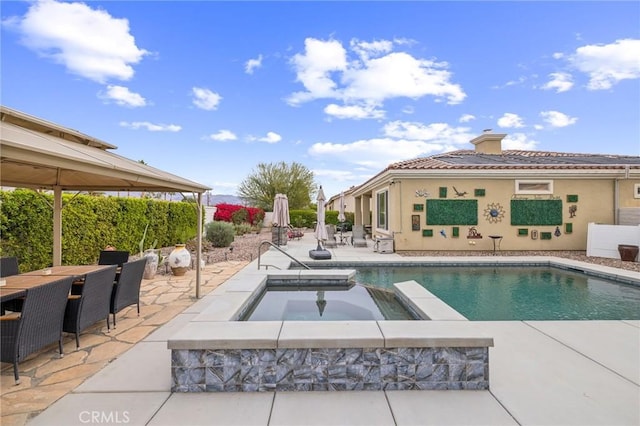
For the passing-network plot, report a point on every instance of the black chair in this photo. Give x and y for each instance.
(92, 304)
(126, 290)
(38, 325)
(9, 266)
(113, 257)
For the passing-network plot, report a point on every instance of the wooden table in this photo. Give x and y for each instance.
(17, 285)
(67, 270)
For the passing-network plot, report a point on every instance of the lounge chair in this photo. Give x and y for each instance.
(358, 236)
(126, 290)
(38, 325)
(331, 241)
(92, 304)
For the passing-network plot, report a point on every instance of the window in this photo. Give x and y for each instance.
(534, 187)
(382, 209)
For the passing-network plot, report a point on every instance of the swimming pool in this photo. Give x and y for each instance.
(516, 292)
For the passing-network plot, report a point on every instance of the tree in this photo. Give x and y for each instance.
(294, 180)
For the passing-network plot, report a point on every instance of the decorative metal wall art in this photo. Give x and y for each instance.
(459, 193)
(422, 193)
(415, 222)
(494, 213)
(473, 233)
(572, 210)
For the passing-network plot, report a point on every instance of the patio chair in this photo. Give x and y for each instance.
(38, 325)
(113, 257)
(331, 241)
(92, 304)
(9, 266)
(358, 236)
(126, 289)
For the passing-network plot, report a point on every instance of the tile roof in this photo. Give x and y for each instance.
(516, 159)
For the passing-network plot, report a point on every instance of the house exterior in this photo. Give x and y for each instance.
(333, 203)
(519, 200)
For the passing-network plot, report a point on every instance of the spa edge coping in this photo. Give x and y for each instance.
(216, 326)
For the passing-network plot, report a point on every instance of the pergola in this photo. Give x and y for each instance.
(38, 154)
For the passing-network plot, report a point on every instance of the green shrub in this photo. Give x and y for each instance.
(220, 234)
(243, 228)
(240, 216)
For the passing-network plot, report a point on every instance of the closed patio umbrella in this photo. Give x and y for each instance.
(280, 216)
(341, 216)
(321, 230)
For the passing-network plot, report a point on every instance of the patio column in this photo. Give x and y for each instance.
(57, 226)
(366, 208)
(199, 246)
(358, 211)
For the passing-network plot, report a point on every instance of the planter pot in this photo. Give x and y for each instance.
(179, 260)
(628, 252)
(151, 266)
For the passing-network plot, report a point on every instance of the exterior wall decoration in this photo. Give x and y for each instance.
(572, 210)
(572, 198)
(459, 193)
(494, 213)
(536, 212)
(473, 233)
(442, 192)
(455, 232)
(427, 232)
(534, 235)
(568, 228)
(479, 192)
(523, 232)
(557, 232)
(443, 233)
(418, 207)
(415, 222)
(545, 235)
(422, 193)
(452, 212)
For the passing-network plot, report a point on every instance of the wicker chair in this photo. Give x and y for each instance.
(92, 304)
(38, 325)
(9, 266)
(126, 290)
(113, 257)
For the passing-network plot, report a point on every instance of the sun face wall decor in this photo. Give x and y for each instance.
(494, 213)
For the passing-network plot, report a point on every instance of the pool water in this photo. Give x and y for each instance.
(348, 303)
(486, 293)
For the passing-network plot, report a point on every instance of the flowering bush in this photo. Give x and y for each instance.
(228, 212)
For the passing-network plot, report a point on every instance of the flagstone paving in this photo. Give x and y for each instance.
(45, 377)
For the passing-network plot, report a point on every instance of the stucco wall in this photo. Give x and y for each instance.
(596, 200)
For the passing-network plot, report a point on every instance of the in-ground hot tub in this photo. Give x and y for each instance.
(215, 352)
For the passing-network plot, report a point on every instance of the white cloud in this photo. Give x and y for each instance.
(357, 112)
(123, 96)
(401, 141)
(608, 64)
(252, 64)
(270, 138)
(88, 42)
(518, 141)
(136, 125)
(205, 98)
(559, 81)
(557, 119)
(223, 135)
(509, 83)
(465, 118)
(374, 74)
(510, 120)
(375, 153)
(440, 133)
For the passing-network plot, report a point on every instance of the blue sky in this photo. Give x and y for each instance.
(208, 90)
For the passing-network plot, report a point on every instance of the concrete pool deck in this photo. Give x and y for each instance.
(542, 372)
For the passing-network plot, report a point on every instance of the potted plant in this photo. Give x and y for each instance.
(152, 255)
(180, 258)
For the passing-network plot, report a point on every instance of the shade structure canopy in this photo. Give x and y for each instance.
(39, 154)
(321, 230)
(281, 211)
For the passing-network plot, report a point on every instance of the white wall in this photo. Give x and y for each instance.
(603, 240)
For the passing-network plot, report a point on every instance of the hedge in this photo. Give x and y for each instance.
(89, 223)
